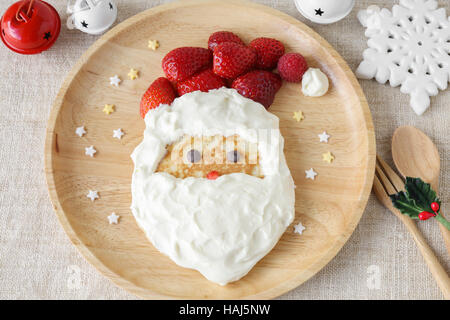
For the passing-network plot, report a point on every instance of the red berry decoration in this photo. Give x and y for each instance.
(268, 52)
(435, 206)
(292, 67)
(213, 175)
(223, 36)
(424, 215)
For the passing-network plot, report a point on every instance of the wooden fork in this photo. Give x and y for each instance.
(387, 182)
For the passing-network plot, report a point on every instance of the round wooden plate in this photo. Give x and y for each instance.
(330, 207)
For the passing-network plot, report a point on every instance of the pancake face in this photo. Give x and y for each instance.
(197, 156)
(220, 227)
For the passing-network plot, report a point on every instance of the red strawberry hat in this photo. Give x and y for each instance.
(30, 26)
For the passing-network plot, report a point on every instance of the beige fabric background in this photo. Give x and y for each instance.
(37, 260)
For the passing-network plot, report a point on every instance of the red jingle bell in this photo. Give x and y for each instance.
(30, 26)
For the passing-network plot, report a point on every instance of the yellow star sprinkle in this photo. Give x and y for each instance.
(108, 109)
(153, 44)
(328, 157)
(133, 74)
(298, 116)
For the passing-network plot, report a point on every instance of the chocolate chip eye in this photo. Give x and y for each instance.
(193, 156)
(233, 156)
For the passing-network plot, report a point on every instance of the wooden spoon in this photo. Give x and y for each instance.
(415, 155)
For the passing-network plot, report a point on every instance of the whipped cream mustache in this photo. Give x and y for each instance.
(221, 227)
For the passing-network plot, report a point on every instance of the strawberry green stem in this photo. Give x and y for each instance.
(442, 220)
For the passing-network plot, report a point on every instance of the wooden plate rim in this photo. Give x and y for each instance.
(280, 288)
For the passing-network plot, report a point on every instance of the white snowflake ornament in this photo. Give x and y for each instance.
(408, 47)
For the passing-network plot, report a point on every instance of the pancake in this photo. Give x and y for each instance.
(197, 156)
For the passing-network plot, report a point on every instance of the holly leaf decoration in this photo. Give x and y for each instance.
(422, 192)
(417, 197)
(406, 205)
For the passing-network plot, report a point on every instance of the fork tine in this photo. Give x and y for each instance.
(396, 181)
(380, 192)
(390, 189)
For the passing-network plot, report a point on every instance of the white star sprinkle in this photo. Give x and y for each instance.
(324, 137)
(90, 151)
(118, 133)
(92, 195)
(80, 131)
(113, 218)
(299, 228)
(115, 81)
(311, 174)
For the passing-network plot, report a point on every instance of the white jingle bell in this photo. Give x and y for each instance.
(324, 11)
(91, 16)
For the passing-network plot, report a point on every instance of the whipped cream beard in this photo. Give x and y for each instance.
(221, 227)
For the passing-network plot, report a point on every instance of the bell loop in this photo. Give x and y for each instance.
(22, 16)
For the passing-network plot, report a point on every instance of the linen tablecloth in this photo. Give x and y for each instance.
(37, 260)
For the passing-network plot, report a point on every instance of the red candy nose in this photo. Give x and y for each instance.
(30, 26)
(213, 175)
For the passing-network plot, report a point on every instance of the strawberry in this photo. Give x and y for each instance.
(228, 82)
(182, 63)
(232, 59)
(160, 91)
(259, 85)
(292, 67)
(204, 81)
(223, 36)
(268, 50)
